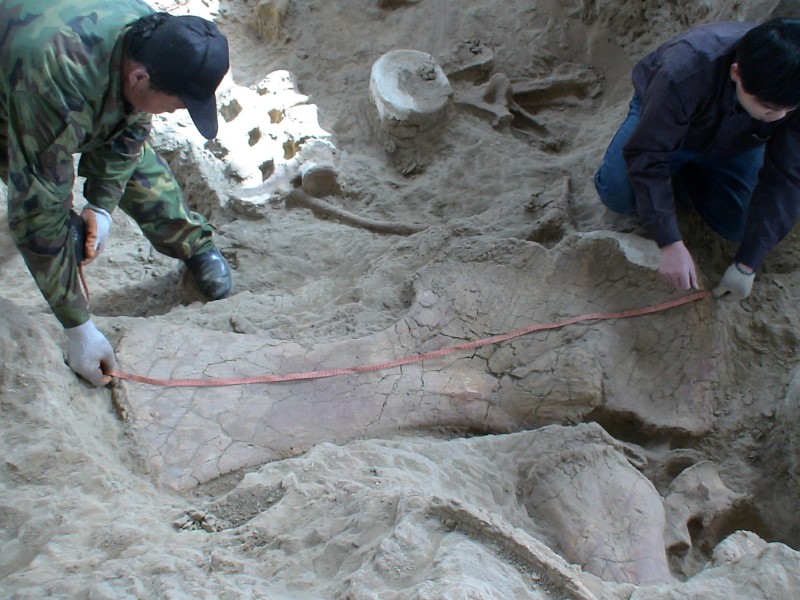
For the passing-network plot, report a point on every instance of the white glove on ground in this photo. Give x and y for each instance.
(89, 353)
(735, 284)
(98, 226)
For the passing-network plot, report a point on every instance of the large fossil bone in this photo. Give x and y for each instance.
(481, 287)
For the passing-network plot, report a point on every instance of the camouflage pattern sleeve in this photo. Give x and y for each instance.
(41, 177)
(60, 95)
(108, 168)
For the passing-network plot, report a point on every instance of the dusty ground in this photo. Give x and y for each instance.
(464, 476)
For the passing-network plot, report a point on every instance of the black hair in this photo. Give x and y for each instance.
(769, 62)
(135, 45)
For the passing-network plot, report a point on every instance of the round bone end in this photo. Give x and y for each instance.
(410, 87)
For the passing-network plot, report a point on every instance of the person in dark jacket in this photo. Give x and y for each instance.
(84, 77)
(712, 117)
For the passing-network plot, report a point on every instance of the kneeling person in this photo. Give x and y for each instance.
(712, 122)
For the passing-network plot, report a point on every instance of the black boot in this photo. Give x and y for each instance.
(78, 231)
(211, 272)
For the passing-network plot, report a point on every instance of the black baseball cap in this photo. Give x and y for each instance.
(190, 57)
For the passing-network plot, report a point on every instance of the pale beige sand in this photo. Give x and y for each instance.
(468, 477)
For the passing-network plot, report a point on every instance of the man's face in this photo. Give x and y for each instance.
(761, 111)
(157, 103)
(143, 98)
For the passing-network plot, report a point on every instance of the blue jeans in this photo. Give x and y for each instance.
(720, 188)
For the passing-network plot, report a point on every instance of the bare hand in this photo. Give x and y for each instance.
(97, 225)
(677, 267)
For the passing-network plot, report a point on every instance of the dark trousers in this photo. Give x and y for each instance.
(720, 188)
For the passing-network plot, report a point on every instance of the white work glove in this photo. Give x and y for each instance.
(97, 223)
(735, 284)
(89, 353)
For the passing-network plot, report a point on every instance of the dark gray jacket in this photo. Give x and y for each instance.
(689, 103)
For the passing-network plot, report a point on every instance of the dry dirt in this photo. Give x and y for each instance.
(644, 458)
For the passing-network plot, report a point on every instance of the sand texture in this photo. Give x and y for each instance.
(372, 214)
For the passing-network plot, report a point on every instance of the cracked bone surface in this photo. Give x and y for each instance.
(192, 435)
(699, 507)
(428, 520)
(595, 506)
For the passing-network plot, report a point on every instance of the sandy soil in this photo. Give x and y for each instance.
(646, 458)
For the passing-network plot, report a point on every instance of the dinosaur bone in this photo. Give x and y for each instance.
(192, 435)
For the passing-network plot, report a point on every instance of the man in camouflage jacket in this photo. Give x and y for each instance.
(84, 77)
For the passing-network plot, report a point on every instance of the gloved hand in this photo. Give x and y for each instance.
(735, 284)
(97, 222)
(89, 353)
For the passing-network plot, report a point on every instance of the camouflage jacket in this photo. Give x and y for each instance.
(60, 95)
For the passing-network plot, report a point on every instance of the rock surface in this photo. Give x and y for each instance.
(541, 467)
